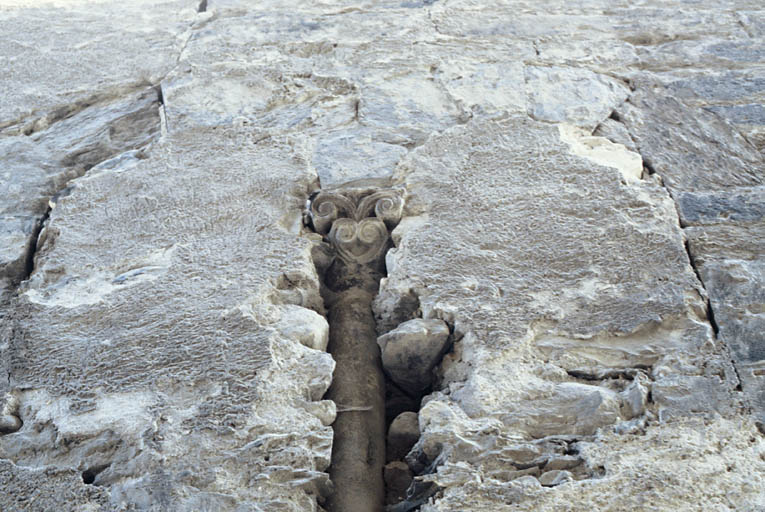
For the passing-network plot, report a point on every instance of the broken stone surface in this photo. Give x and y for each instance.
(168, 346)
(412, 350)
(39, 166)
(75, 53)
(722, 211)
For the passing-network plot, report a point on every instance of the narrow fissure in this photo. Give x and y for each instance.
(649, 169)
(133, 128)
(29, 264)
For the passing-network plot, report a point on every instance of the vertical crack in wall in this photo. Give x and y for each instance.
(650, 171)
(78, 138)
(129, 124)
(355, 220)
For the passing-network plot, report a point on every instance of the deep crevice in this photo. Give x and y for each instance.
(129, 124)
(89, 475)
(29, 264)
(650, 170)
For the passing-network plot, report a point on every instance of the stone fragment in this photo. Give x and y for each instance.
(9, 423)
(304, 326)
(556, 477)
(571, 95)
(403, 433)
(508, 474)
(573, 408)
(562, 462)
(412, 350)
(398, 477)
(634, 398)
(521, 453)
(325, 410)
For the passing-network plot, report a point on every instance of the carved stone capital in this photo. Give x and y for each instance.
(356, 221)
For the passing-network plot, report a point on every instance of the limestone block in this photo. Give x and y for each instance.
(412, 350)
(572, 95)
(676, 140)
(174, 351)
(38, 167)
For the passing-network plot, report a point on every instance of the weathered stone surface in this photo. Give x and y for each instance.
(729, 258)
(692, 149)
(572, 95)
(74, 53)
(403, 433)
(412, 350)
(156, 351)
(167, 352)
(40, 491)
(715, 176)
(37, 167)
(557, 295)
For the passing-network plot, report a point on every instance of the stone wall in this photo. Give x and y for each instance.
(584, 188)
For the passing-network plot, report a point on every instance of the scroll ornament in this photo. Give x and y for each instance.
(357, 224)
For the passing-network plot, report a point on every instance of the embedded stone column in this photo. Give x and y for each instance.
(356, 223)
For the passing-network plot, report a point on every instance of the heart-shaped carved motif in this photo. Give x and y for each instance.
(359, 242)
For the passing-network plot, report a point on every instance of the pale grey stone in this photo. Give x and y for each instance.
(168, 347)
(715, 176)
(562, 462)
(345, 155)
(39, 166)
(169, 325)
(572, 95)
(554, 477)
(72, 55)
(529, 245)
(677, 141)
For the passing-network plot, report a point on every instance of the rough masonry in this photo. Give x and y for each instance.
(579, 256)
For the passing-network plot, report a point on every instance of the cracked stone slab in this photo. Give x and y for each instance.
(169, 346)
(715, 176)
(690, 148)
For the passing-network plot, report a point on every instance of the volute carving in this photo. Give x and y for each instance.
(356, 222)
